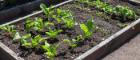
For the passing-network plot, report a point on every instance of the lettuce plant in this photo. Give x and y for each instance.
(53, 33)
(25, 41)
(126, 12)
(47, 11)
(36, 41)
(50, 50)
(48, 24)
(121, 11)
(87, 28)
(8, 28)
(11, 30)
(118, 10)
(36, 24)
(69, 22)
(29, 42)
(74, 42)
(61, 15)
(16, 37)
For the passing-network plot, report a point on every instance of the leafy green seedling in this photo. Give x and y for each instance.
(74, 42)
(28, 24)
(16, 37)
(121, 11)
(48, 11)
(69, 22)
(126, 12)
(58, 19)
(50, 50)
(47, 24)
(10, 29)
(61, 14)
(36, 25)
(83, 1)
(53, 33)
(87, 28)
(36, 41)
(25, 41)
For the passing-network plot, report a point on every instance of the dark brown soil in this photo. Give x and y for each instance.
(105, 27)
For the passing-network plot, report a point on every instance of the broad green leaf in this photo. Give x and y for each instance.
(84, 28)
(17, 36)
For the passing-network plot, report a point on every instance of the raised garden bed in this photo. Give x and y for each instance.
(70, 32)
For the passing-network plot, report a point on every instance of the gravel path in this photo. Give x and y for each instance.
(129, 51)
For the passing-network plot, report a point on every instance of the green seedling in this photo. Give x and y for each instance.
(10, 29)
(53, 33)
(36, 41)
(61, 15)
(25, 41)
(48, 24)
(126, 12)
(69, 22)
(47, 11)
(120, 11)
(66, 17)
(64, 13)
(58, 15)
(50, 50)
(84, 1)
(16, 37)
(74, 42)
(58, 19)
(87, 28)
(35, 25)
